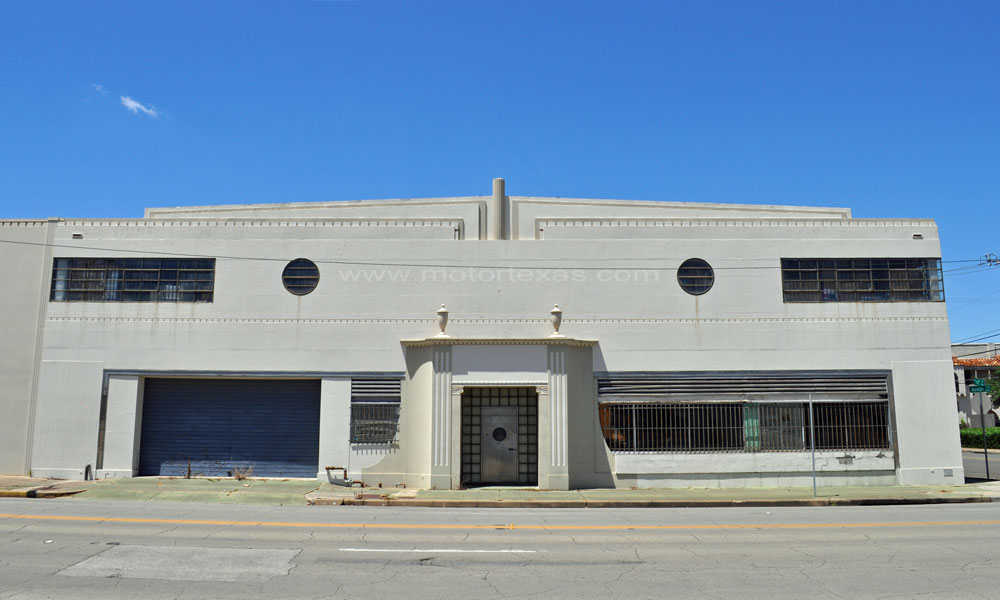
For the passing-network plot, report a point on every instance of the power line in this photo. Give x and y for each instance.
(980, 300)
(376, 264)
(992, 352)
(985, 336)
(984, 262)
(971, 339)
(401, 264)
(967, 270)
(979, 334)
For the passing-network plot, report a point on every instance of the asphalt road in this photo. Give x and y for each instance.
(82, 549)
(975, 465)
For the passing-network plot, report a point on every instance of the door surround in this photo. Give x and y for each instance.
(440, 368)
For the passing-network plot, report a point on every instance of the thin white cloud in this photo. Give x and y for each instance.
(100, 89)
(136, 106)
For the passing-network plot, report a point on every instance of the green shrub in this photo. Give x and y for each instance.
(972, 437)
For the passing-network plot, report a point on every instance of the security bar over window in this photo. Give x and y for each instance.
(374, 422)
(743, 427)
(374, 410)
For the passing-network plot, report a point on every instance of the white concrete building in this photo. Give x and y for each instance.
(287, 338)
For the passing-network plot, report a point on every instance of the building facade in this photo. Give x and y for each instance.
(450, 342)
(975, 361)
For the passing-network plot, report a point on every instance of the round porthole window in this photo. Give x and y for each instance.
(300, 276)
(695, 276)
(499, 434)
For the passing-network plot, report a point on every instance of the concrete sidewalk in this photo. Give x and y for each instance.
(308, 491)
(207, 490)
(666, 498)
(34, 487)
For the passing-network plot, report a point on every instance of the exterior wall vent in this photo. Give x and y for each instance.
(873, 385)
(375, 390)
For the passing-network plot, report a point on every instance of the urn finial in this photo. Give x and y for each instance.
(442, 319)
(556, 321)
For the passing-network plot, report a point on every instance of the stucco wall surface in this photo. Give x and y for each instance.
(22, 303)
(929, 448)
(67, 419)
(366, 302)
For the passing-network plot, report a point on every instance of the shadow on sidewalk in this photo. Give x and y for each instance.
(980, 480)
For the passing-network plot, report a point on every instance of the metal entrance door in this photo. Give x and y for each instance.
(476, 437)
(499, 444)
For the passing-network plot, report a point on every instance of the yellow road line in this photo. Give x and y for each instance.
(506, 526)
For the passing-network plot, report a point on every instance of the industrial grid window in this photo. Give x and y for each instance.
(374, 410)
(744, 426)
(862, 280)
(133, 280)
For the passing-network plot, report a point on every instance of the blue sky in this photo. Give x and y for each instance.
(890, 108)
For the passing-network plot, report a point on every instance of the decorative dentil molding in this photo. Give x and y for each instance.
(622, 321)
(727, 222)
(264, 222)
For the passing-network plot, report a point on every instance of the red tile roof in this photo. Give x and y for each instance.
(989, 361)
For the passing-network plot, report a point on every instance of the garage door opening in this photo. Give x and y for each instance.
(227, 427)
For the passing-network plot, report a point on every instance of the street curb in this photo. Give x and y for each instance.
(37, 493)
(980, 450)
(648, 503)
(324, 501)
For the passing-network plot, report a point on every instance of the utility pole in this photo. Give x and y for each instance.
(812, 443)
(982, 418)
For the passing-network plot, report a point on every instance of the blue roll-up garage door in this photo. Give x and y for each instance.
(219, 426)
